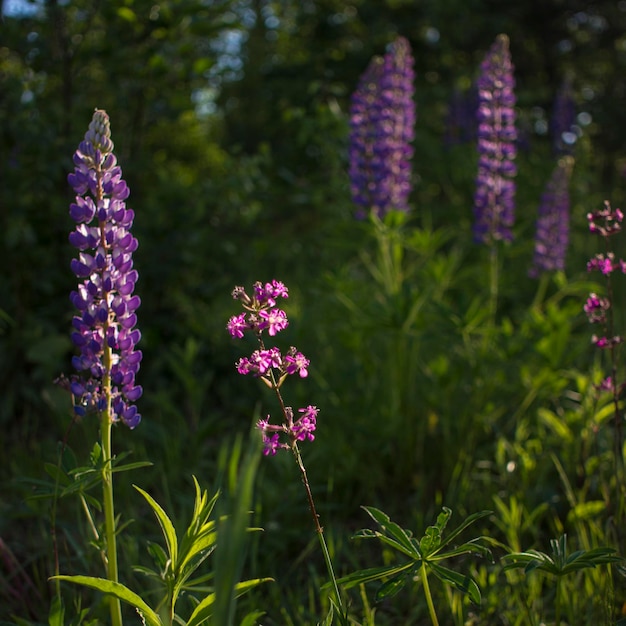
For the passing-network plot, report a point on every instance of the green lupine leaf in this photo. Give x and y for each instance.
(371, 574)
(166, 526)
(95, 454)
(393, 530)
(57, 474)
(413, 554)
(391, 587)
(367, 533)
(524, 559)
(464, 583)
(459, 529)
(252, 618)
(119, 591)
(592, 558)
(131, 466)
(204, 608)
(430, 541)
(146, 571)
(443, 518)
(604, 555)
(471, 547)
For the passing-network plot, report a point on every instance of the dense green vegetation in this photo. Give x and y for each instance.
(230, 121)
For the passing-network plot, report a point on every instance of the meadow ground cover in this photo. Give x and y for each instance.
(462, 403)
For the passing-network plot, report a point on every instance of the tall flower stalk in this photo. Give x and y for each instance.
(104, 325)
(382, 127)
(606, 223)
(494, 198)
(272, 367)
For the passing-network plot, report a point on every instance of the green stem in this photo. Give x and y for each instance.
(493, 283)
(109, 510)
(544, 280)
(305, 481)
(557, 603)
(429, 598)
(105, 432)
(320, 530)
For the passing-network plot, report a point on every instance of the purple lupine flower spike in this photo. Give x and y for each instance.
(553, 222)
(382, 127)
(494, 199)
(104, 327)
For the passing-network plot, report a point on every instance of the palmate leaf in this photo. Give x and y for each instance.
(559, 563)
(459, 529)
(367, 533)
(119, 591)
(590, 558)
(470, 547)
(166, 526)
(391, 587)
(464, 583)
(401, 538)
(530, 560)
(373, 573)
(131, 466)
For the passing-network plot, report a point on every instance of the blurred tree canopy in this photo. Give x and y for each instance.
(230, 123)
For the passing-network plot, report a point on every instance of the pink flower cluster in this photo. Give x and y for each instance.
(605, 223)
(606, 264)
(261, 361)
(298, 430)
(261, 314)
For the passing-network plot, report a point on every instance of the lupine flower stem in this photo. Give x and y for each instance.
(493, 283)
(429, 598)
(106, 425)
(109, 515)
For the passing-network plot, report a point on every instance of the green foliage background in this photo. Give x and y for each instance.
(229, 119)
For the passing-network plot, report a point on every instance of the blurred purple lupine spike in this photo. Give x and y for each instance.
(461, 117)
(104, 326)
(563, 120)
(552, 234)
(382, 127)
(494, 199)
